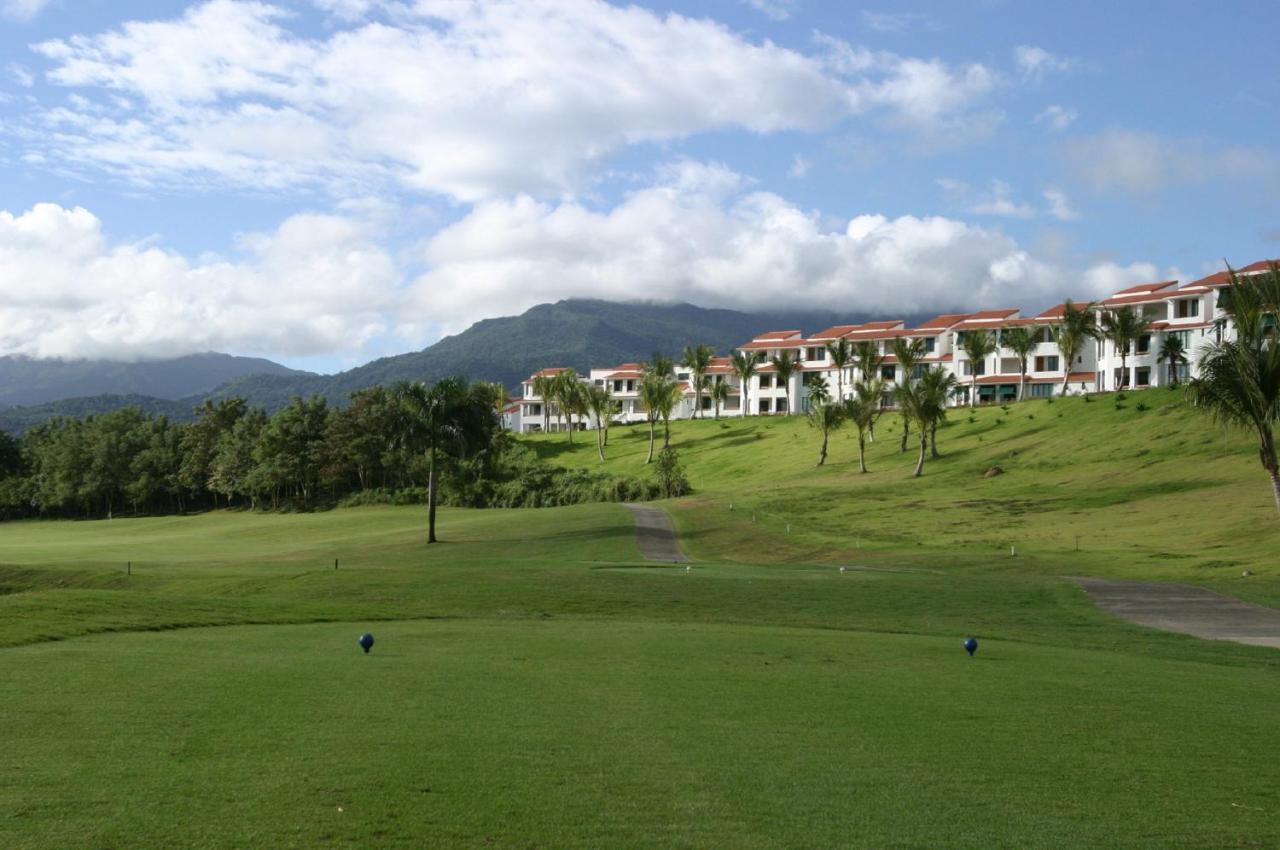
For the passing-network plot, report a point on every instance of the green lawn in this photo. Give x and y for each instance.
(535, 684)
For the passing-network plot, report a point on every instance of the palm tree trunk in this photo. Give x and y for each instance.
(666, 432)
(862, 452)
(822, 455)
(1267, 454)
(906, 429)
(652, 425)
(973, 390)
(924, 444)
(933, 441)
(431, 497)
(600, 442)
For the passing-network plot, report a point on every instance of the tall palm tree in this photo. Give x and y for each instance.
(827, 416)
(938, 386)
(863, 408)
(1124, 327)
(697, 358)
(927, 404)
(785, 365)
(977, 346)
(1174, 352)
(600, 402)
(659, 393)
(1021, 341)
(819, 392)
(841, 354)
(544, 388)
(1239, 382)
(744, 366)
(869, 360)
(719, 394)
(908, 353)
(569, 397)
(1076, 327)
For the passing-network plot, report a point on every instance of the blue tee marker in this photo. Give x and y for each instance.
(366, 642)
(970, 646)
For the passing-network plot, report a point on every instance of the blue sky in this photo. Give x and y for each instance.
(326, 181)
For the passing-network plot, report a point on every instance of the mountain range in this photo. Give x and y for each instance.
(577, 332)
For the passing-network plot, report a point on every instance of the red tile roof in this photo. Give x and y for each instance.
(944, 321)
(776, 335)
(1148, 287)
(1136, 298)
(1055, 312)
(554, 370)
(1223, 278)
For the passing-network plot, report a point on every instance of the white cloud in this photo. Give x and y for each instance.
(1057, 116)
(1143, 163)
(1059, 204)
(458, 98)
(1104, 278)
(21, 10)
(774, 10)
(1000, 202)
(316, 284)
(696, 238)
(800, 166)
(895, 22)
(1034, 62)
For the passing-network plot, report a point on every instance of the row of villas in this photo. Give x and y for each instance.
(1192, 311)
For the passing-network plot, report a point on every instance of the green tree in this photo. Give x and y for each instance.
(908, 353)
(826, 416)
(600, 403)
(544, 387)
(862, 409)
(841, 354)
(744, 366)
(1239, 381)
(819, 392)
(785, 365)
(697, 358)
(977, 346)
(1076, 327)
(1174, 352)
(868, 358)
(200, 441)
(938, 386)
(1021, 341)
(719, 393)
(570, 397)
(659, 393)
(1124, 326)
(926, 402)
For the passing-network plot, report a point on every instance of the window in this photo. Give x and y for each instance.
(706, 402)
(617, 386)
(1041, 390)
(806, 378)
(682, 376)
(1043, 334)
(766, 381)
(930, 344)
(918, 372)
(887, 373)
(971, 368)
(1144, 344)
(815, 354)
(1047, 364)
(1143, 377)
(762, 356)
(631, 385)
(780, 405)
(764, 405)
(1188, 307)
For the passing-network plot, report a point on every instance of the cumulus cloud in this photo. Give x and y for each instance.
(701, 236)
(458, 98)
(1057, 117)
(1141, 163)
(1059, 204)
(316, 284)
(1001, 202)
(774, 10)
(21, 10)
(896, 22)
(1033, 63)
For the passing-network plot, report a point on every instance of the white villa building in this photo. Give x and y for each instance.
(1192, 312)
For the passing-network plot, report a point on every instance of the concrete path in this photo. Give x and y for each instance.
(1189, 610)
(655, 534)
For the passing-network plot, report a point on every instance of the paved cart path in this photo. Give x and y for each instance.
(655, 534)
(1189, 610)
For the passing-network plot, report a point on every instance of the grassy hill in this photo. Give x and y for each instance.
(534, 683)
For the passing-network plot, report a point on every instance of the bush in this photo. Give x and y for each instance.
(1141, 407)
(672, 481)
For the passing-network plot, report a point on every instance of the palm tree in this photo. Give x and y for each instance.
(719, 394)
(977, 346)
(908, 353)
(863, 409)
(1077, 326)
(1174, 352)
(600, 402)
(1021, 341)
(544, 388)
(926, 402)
(1239, 382)
(659, 393)
(1124, 327)
(841, 354)
(569, 397)
(785, 365)
(697, 358)
(938, 386)
(827, 416)
(449, 415)
(819, 392)
(744, 366)
(869, 360)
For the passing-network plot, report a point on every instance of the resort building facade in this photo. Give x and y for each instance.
(1192, 312)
